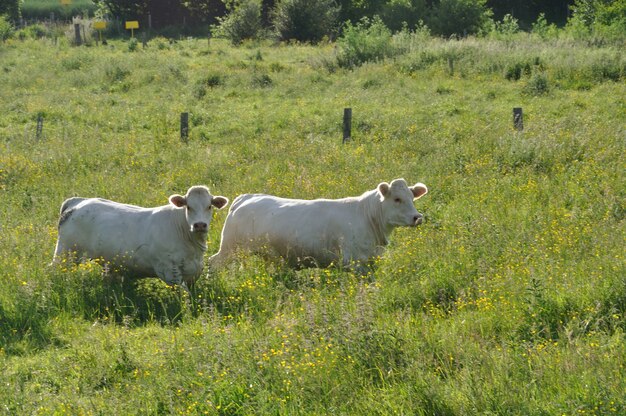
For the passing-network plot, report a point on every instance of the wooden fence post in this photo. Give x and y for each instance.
(77, 33)
(39, 126)
(347, 124)
(518, 119)
(184, 127)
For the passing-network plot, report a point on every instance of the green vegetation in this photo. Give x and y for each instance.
(509, 299)
(6, 28)
(242, 23)
(11, 9)
(41, 9)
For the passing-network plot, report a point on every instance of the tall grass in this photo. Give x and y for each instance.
(510, 298)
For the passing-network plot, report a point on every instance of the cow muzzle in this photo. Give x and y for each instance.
(200, 227)
(417, 219)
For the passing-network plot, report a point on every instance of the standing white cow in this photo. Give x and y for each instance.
(321, 231)
(166, 242)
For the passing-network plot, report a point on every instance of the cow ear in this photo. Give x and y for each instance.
(219, 202)
(178, 201)
(419, 190)
(383, 188)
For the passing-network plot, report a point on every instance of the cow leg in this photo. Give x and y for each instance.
(63, 253)
(169, 273)
(216, 260)
(58, 251)
(359, 265)
(360, 268)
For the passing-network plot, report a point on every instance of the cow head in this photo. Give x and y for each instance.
(397, 202)
(198, 204)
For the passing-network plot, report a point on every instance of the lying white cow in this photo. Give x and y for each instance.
(322, 231)
(166, 242)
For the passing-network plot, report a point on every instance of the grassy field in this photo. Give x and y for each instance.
(509, 299)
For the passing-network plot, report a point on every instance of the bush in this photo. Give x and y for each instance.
(514, 72)
(598, 19)
(133, 43)
(364, 42)
(37, 31)
(305, 20)
(209, 81)
(261, 80)
(243, 22)
(459, 17)
(10, 8)
(398, 14)
(406, 41)
(543, 29)
(6, 28)
(537, 84)
(508, 27)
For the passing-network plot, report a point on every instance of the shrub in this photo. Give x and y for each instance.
(398, 14)
(132, 44)
(603, 20)
(36, 31)
(261, 80)
(305, 20)
(508, 27)
(209, 81)
(537, 84)
(243, 22)
(543, 29)
(515, 71)
(459, 17)
(406, 40)
(6, 29)
(161, 43)
(115, 73)
(11, 8)
(364, 42)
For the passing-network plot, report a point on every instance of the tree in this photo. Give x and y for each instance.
(397, 13)
(458, 17)
(123, 9)
(11, 8)
(354, 10)
(6, 28)
(602, 18)
(305, 20)
(242, 22)
(167, 12)
(528, 11)
(206, 11)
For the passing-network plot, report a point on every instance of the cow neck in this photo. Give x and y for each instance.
(195, 240)
(374, 214)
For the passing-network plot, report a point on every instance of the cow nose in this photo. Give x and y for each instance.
(200, 226)
(417, 219)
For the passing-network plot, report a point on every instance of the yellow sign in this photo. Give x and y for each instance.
(133, 24)
(99, 25)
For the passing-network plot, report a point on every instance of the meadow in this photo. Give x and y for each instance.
(509, 299)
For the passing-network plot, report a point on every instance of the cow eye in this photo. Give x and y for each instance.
(397, 200)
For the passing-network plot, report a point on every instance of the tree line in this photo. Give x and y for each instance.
(313, 20)
(443, 15)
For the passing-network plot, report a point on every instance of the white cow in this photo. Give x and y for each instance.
(321, 231)
(166, 242)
